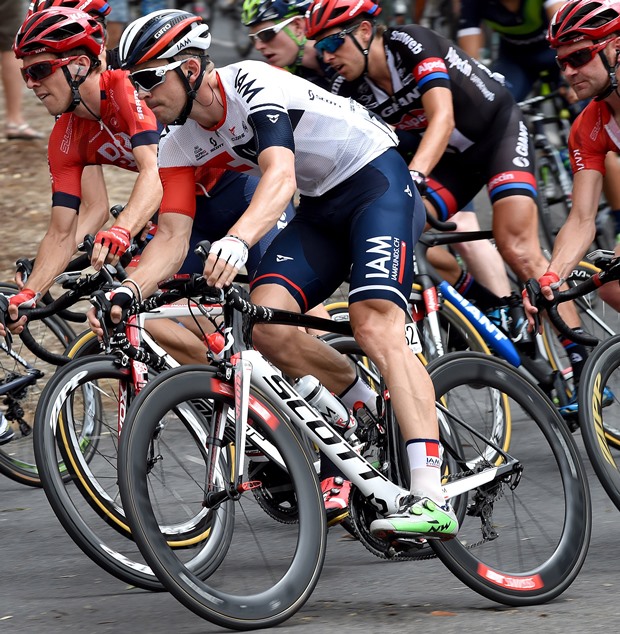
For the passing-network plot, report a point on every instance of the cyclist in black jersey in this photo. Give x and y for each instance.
(471, 131)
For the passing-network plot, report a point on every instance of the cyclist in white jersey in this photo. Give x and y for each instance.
(359, 212)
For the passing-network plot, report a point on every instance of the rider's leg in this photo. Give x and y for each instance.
(483, 260)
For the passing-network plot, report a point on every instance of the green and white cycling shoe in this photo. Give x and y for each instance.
(417, 517)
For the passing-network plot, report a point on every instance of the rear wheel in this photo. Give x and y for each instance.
(525, 536)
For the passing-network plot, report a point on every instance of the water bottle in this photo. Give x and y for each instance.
(328, 405)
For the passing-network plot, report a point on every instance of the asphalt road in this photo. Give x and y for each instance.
(50, 587)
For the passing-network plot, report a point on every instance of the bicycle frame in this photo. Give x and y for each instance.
(251, 367)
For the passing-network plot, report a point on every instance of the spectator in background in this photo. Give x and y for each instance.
(15, 126)
(119, 17)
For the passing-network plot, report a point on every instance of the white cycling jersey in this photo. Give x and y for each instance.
(332, 137)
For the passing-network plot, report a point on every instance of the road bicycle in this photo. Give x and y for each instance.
(78, 470)
(511, 548)
(26, 363)
(599, 388)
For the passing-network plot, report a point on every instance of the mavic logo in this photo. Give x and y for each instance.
(273, 117)
(283, 258)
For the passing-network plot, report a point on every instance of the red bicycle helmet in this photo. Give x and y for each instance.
(326, 14)
(58, 30)
(162, 35)
(96, 8)
(584, 20)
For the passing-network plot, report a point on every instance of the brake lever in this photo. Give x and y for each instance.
(4, 306)
(533, 292)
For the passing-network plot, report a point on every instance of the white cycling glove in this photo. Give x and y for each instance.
(232, 250)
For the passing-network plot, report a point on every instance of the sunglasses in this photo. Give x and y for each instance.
(42, 70)
(266, 35)
(149, 78)
(581, 56)
(332, 43)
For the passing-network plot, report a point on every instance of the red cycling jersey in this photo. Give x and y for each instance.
(125, 123)
(594, 133)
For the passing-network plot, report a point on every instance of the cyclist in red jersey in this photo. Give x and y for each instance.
(586, 36)
(101, 121)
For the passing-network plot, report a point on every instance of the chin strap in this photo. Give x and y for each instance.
(364, 51)
(190, 90)
(301, 44)
(75, 83)
(613, 80)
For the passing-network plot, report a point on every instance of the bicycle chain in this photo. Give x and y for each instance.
(485, 513)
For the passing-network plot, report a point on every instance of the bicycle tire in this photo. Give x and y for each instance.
(553, 209)
(232, 599)
(17, 460)
(598, 420)
(556, 543)
(87, 503)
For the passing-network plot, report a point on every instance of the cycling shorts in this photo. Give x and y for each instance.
(218, 212)
(504, 162)
(366, 228)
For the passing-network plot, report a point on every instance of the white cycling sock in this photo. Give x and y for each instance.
(425, 464)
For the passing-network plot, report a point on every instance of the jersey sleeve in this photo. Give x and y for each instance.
(179, 185)
(140, 122)
(266, 106)
(64, 164)
(470, 18)
(588, 142)
(420, 52)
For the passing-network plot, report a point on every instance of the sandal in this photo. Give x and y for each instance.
(23, 131)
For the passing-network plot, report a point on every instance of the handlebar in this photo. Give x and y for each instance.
(440, 225)
(610, 273)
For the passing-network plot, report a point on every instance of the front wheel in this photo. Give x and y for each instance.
(269, 568)
(525, 535)
(599, 409)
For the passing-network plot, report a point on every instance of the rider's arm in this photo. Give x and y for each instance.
(161, 258)
(146, 193)
(275, 189)
(578, 232)
(439, 112)
(56, 249)
(471, 42)
(95, 209)
(142, 204)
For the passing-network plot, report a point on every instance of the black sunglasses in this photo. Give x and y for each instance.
(581, 56)
(42, 70)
